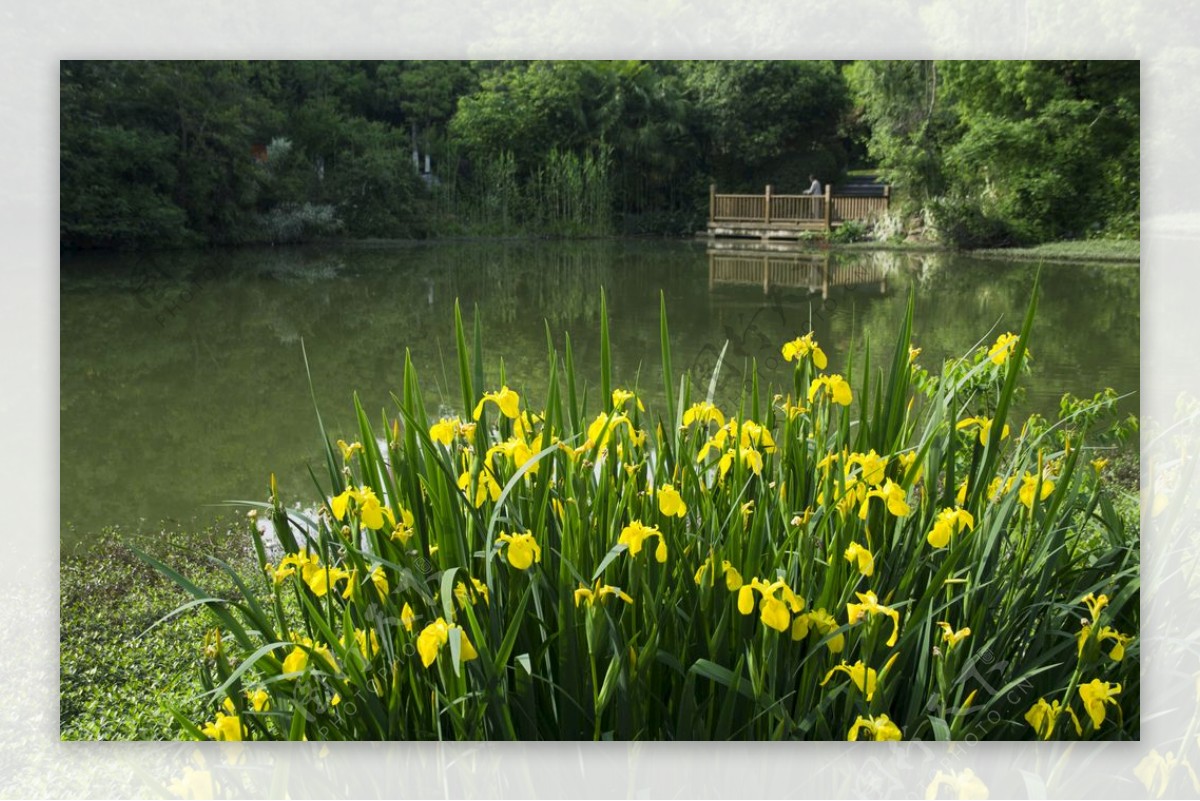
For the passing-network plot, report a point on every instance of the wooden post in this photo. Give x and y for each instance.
(767, 207)
(887, 197)
(712, 202)
(828, 210)
(766, 262)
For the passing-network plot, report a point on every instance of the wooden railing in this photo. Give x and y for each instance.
(807, 211)
(857, 207)
(739, 208)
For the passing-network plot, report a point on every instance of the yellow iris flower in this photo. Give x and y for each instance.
(985, 428)
(749, 435)
(872, 466)
(380, 581)
(805, 346)
(906, 462)
(517, 450)
(892, 494)
(463, 596)
(318, 578)
(823, 623)
(599, 594)
(1095, 695)
(403, 528)
(869, 605)
(1003, 348)
(670, 502)
(752, 435)
(1095, 604)
(853, 492)
(370, 510)
(603, 427)
(407, 617)
(260, 699)
(485, 487)
(1105, 633)
(507, 401)
(622, 396)
(1043, 716)
(1029, 486)
(835, 387)
(952, 637)
(226, 727)
(703, 413)
(857, 553)
(445, 430)
(348, 451)
(864, 678)
(949, 522)
(367, 642)
(791, 410)
(775, 613)
(733, 579)
(751, 459)
(297, 660)
(522, 550)
(635, 534)
(437, 634)
(879, 728)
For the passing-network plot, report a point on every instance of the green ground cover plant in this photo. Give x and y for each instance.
(121, 650)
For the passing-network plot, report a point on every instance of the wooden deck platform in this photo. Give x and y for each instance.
(771, 216)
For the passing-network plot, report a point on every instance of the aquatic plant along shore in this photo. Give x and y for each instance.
(880, 553)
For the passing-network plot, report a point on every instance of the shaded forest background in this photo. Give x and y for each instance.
(175, 153)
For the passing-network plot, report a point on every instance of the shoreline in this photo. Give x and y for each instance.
(1067, 251)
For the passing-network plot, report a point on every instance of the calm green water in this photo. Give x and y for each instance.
(183, 383)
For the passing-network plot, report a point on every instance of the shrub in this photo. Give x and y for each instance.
(849, 231)
(879, 558)
(296, 222)
(962, 223)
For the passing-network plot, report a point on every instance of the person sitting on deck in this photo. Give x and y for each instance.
(814, 188)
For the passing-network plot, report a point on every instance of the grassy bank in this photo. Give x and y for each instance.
(1090, 250)
(115, 675)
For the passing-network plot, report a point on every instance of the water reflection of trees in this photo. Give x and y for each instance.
(1085, 335)
(214, 393)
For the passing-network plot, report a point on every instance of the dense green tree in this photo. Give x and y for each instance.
(897, 102)
(1008, 151)
(654, 135)
(770, 121)
(166, 153)
(421, 94)
(1049, 146)
(143, 141)
(116, 182)
(529, 109)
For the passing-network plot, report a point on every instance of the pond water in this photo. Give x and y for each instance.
(183, 381)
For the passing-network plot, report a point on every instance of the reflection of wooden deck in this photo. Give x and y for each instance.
(768, 269)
